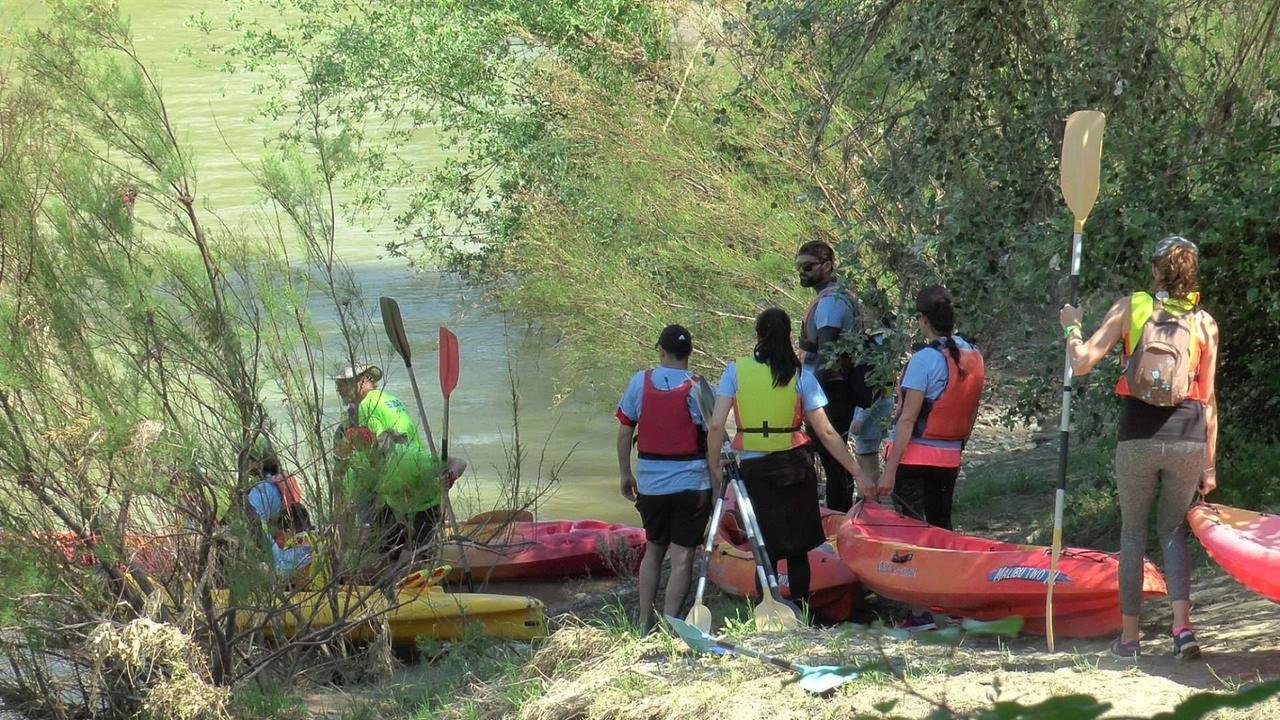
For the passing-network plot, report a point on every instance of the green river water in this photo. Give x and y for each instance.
(212, 111)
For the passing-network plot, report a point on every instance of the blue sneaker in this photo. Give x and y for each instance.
(1185, 646)
(1126, 650)
(918, 623)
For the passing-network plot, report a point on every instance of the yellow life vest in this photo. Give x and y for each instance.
(770, 419)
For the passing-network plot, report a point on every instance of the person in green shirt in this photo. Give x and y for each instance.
(395, 480)
(375, 408)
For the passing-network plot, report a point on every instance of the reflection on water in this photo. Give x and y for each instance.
(211, 111)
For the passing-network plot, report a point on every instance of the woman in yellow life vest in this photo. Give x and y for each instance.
(772, 397)
(1168, 426)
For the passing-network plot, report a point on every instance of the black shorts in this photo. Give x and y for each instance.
(679, 518)
(926, 493)
(416, 532)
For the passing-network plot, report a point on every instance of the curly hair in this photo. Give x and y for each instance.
(1177, 271)
(818, 249)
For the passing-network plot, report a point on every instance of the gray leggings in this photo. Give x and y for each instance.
(1175, 467)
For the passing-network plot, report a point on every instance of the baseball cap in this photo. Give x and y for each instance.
(676, 340)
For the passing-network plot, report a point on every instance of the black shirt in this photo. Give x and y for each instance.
(1182, 423)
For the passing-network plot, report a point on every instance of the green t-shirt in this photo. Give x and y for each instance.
(410, 479)
(406, 478)
(381, 411)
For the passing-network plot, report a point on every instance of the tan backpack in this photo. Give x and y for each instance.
(1162, 367)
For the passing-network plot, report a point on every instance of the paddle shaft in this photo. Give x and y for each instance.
(444, 433)
(711, 540)
(422, 409)
(1064, 441)
(771, 659)
(763, 564)
(757, 541)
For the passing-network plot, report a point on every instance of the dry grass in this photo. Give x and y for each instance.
(591, 672)
(160, 668)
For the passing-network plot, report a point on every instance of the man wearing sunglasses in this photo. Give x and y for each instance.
(833, 313)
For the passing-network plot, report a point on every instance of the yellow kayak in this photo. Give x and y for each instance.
(414, 612)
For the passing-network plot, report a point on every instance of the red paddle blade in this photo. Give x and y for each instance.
(448, 361)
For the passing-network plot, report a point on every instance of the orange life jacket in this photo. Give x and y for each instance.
(951, 416)
(290, 493)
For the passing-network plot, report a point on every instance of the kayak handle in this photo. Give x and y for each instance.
(901, 557)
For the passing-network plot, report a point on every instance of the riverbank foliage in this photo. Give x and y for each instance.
(149, 348)
(621, 165)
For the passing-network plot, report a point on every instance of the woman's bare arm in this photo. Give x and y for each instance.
(1086, 354)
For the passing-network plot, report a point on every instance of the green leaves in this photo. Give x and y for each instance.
(1203, 705)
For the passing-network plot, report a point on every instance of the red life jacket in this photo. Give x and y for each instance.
(951, 416)
(290, 493)
(666, 431)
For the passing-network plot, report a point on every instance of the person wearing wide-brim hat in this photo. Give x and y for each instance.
(355, 381)
(407, 479)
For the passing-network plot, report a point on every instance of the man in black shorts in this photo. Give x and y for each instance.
(671, 486)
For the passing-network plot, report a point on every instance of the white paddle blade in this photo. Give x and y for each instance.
(771, 616)
(700, 617)
(1082, 162)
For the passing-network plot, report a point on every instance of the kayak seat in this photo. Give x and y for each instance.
(732, 530)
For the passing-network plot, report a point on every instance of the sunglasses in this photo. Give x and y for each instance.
(808, 267)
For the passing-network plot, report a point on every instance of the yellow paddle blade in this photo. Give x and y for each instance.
(1082, 162)
(424, 578)
(771, 615)
(700, 617)
(500, 517)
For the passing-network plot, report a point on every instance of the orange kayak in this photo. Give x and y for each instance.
(833, 588)
(1245, 543)
(909, 561)
(545, 550)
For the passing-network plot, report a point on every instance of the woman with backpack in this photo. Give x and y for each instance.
(1168, 426)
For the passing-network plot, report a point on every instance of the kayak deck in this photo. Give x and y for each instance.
(544, 550)
(410, 613)
(909, 561)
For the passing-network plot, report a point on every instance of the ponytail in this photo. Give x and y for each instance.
(934, 302)
(773, 345)
(954, 350)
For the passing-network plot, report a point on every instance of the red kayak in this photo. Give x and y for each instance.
(548, 550)
(909, 561)
(150, 553)
(1245, 543)
(833, 588)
